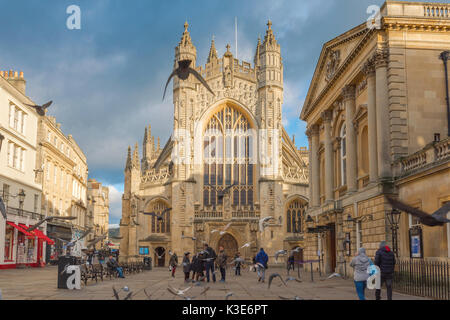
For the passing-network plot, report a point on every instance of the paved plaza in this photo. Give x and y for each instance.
(41, 284)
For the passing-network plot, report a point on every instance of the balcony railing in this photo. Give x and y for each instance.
(236, 214)
(24, 213)
(437, 10)
(433, 153)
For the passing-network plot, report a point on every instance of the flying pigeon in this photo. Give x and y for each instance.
(229, 294)
(334, 275)
(96, 240)
(41, 109)
(153, 214)
(186, 237)
(292, 279)
(225, 191)
(262, 223)
(179, 292)
(280, 253)
(48, 219)
(84, 235)
(159, 256)
(297, 250)
(438, 218)
(183, 71)
(294, 298)
(247, 245)
(274, 275)
(2, 208)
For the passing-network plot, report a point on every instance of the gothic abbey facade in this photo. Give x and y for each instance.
(233, 138)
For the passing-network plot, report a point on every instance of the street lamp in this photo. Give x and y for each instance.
(21, 200)
(394, 220)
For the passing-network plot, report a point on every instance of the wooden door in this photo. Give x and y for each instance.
(229, 243)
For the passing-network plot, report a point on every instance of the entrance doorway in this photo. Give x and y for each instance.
(298, 256)
(229, 243)
(332, 245)
(160, 257)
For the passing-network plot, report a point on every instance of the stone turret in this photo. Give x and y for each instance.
(212, 52)
(147, 149)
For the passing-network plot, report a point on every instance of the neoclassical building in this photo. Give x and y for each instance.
(233, 138)
(377, 127)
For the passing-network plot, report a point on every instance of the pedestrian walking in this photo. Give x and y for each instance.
(173, 263)
(385, 260)
(261, 264)
(186, 266)
(360, 263)
(222, 263)
(291, 263)
(237, 264)
(210, 258)
(198, 266)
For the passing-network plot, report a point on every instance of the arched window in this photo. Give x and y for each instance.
(364, 151)
(228, 153)
(343, 155)
(294, 216)
(160, 226)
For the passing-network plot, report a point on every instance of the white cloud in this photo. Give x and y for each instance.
(114, 226)
(115, 203)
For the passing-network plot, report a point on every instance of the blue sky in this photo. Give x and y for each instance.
(106, 80)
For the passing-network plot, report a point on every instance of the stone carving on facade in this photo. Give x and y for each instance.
(349, 92)
(381, 58)
(333, 64)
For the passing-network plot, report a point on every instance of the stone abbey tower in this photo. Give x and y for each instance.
(233, 138)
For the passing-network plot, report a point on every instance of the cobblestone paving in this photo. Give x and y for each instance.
(41, 284)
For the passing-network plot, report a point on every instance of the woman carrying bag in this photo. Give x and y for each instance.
(360, 263)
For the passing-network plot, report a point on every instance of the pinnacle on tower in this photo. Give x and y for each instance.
(186, 37)
(212, 52)
(128, 164)
(269, 38)
(258, 51)
(159, 145)
(135, 162)
(228, 52)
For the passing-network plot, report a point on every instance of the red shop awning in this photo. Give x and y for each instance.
(21, 229)
(42, 236)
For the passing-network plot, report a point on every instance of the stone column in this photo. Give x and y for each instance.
(348, 93)
(314, 176)
(382, 114)
(329, 172)
(369, 71)
(308, 133)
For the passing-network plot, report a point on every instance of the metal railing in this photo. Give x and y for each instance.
(424, 278)
(24, 213)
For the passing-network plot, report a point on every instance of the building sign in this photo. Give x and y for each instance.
(415, 243)
(143, 251)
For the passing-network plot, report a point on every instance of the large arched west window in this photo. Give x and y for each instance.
(228, 153)
(162, 226)
(294, 216)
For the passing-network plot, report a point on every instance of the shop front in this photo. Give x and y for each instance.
(60, 235)
(23, 248)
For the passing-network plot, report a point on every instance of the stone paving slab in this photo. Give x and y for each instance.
(41, 284)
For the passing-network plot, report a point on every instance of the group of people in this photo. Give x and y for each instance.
(203, 264)
(384, 260)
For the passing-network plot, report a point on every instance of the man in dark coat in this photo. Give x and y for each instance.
(222, 263)
(209, 262)
(385, 260)
(186, 266)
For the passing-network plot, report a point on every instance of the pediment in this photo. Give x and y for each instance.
(332, 58)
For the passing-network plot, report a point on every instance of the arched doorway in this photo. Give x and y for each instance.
(160, 257)
(229, 243)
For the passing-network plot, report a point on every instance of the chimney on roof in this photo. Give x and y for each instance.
(16, 79)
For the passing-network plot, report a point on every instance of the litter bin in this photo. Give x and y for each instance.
(63, 263)
(147, 263)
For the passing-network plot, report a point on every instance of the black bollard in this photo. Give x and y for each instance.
(312, 277)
